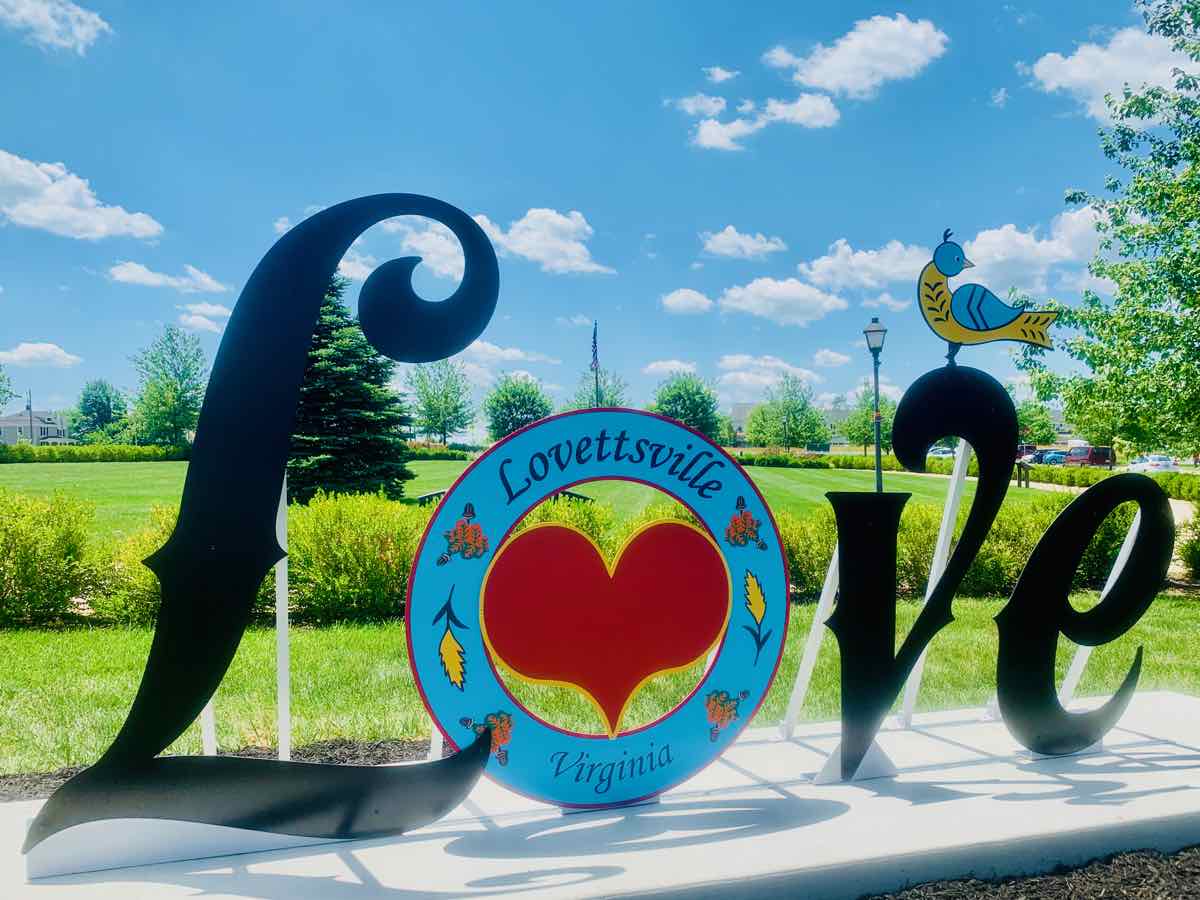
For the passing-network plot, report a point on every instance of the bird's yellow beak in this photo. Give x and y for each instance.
(967, 264)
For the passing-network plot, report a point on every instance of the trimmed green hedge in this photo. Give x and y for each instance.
(436, 451)
(27, 453)
(783, 461)
(1189, 548)
(350, 555)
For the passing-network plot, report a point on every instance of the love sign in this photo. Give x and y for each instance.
(544, 606)
(494, 602)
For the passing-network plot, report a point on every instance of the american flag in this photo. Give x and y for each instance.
(595, 350)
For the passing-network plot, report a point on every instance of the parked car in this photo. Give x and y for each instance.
(1153, 462)
(1024, 450)
(941, 453)
(1037, 457)
(1090, 456)
(1053, 457)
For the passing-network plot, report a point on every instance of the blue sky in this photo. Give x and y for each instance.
(730, 189)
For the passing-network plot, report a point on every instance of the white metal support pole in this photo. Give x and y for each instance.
(941, 555)
(208, 729)
(812, 646)
(283, 660)
(1082, 652)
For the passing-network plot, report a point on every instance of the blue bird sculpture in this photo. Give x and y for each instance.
(972, 314)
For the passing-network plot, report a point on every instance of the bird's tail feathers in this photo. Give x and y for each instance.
(1034, 327)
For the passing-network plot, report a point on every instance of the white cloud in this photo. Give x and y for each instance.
(576, 321)
(701, 105)
(668, 366)
(717, 74)
(748, 377)
(1081, 280)
(1008, 257)
(39, 354)
(282, 224)
(57, 24)
(357, 266)
(787, 302)
(886, 300)
(746, 106)
(845, 267)
(485, 352)
(432, 241)
(49, 197)
(204, 316)
(780, 57)
(1131, 57)
(807, 110)
(731, 242)
(547, 237)
(999, 97)
(555, 241)
(714, 135)
(827, 358)
(875, 51)
(887, 388)
(217, 310)
(193, 281)
(685, 301)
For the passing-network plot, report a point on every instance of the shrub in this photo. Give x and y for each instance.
(919, 525)
(854, 461)
(27, 453)
(1018, 529)
(1189, 548)
(808, 543)
(124, 589)
(596, 520)
(783, 460)
(349, 557)
(420, 451)
(1180, 485)
(44, 565)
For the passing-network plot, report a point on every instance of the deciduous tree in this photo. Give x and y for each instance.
(517, 400)
(172, 375)
(860, 424)
(1034, 424)
(788, 418)
(1142, 370)
(443, 398)
(688, 399)
(613, 390)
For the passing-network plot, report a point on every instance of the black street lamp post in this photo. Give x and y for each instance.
(875, 332)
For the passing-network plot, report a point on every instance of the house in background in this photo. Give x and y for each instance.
(47, 428)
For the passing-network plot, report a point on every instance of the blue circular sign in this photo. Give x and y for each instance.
(449, 652)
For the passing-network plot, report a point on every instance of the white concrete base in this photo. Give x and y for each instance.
(875, 764)
(967, 801)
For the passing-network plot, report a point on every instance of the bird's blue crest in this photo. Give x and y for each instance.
(949, 256)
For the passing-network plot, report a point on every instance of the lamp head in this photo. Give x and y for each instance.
(875, 333)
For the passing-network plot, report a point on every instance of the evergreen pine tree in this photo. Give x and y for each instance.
(348, 436)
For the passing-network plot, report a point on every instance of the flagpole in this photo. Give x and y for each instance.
(596, 360)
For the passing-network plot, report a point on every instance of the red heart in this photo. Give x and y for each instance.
(553, 611)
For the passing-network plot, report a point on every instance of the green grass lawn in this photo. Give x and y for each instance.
(124, 493)
(64, 694)
(790, 490)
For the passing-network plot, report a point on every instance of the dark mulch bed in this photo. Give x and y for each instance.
(1142, 875)
(343, 752)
